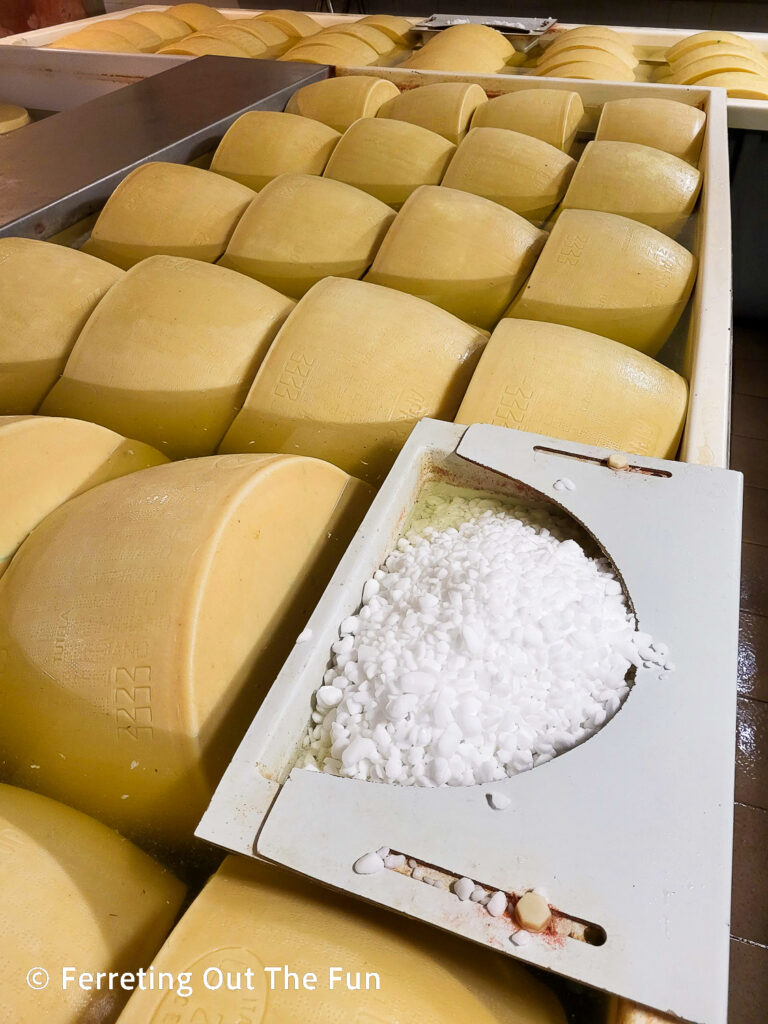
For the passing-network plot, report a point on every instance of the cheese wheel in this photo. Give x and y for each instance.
(622, 51)
(663, 192)
(162, 23)
(199, 17)
(473, 57)
(273, 40)
(464, 253)
(674, 127)
(591, 32)
(331, 54)
(739, 86)
(350, 374)
(47, 292)
(690, 74)
(717, 50)
(569, 384)
(701, 39)
(144, 620)
(444, 107)
(137, 35)
(552, 115)
(612, 276)
(602, 53)
(295, 24)
(251, 914)
(94, 39)
(45, 461)
(202, 44)
(263, 144)
(471, 35)
(339, 102)
(171, 209)
(74, 893)
(246, 41)
(524, 174)
(398, 29)
(592, 70)
(301, 229)
(169, 354)
(12, 117)
(370, 35)
(389, 159)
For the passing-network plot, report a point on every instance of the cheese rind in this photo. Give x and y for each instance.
(274, 38)
(137, 35)
(246, 41)
(354, 48)
(351, 373)
(740, 86)
(389, 159)
(445, 107)
(162, 23)
(45, 461)
(168, 209)
(663, 192)
(203, 44)
(692, 73)
(576, 386)
(296, 24)
(676, 128)
(609, 275)
(552, 115)
(701, 39)
(524, 174)
(398, 29)
(370, 35)
(250, 914)
(464, 253)
(593, 70)
(74, 892)
(262, 144)
(591, 32)
(621, 51)
(96, 39)
(339, 102)
(12, 117)
(175, 375)
(472, 35)
(144, 620)
(47, 292)
(456, 58)
(718, 50)
(302, 228)
(198, 16)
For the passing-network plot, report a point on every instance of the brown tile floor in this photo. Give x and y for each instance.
(749, 913)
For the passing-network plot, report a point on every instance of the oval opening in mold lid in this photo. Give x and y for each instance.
(496, 635)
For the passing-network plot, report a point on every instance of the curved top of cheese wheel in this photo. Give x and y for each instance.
(472, 57)
(699, 39)
(740, 86)
(339, 102)
(163, 23)
(398, 29)
(47, 292)
(171, 209)
(93, 38)
(250, 44)
(582, 387)
(295, 24)
(589, 69)
(169, 354)
(351, 372)
(140, 36)
(263, 144)
(378, 40)
(12, 117)
(590, 31)
(302, 228)
(443, 107)
(465, 253)
(587, 49)
(471, 35)
(253, 912)
(664, 187)
(349, 45)
(198, 16)
(717, 50)
(524, 174)
(144, 620)
(609, 275)
(202, 44)
(274, 38)
(331, 53)
(566, 42)
(674, 127)
(722, 64)
(389, 159)
(74, 891)
(56, 459)
(552, 115)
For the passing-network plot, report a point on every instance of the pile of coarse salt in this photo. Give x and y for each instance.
(488, 644)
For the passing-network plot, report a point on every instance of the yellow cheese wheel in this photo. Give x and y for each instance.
(601, 70)
(673, 127)
(466, 254)
(690, 74)
(97, 39)
(590, 32)
(252, 914)
(663, 189)
(169, 354)
(140, 36)
(444, 107)
(143, 622)
(274, 38)
(295, 24)
(74, 893)
(45, 461)
(718, 50)
(350, 374)
(398, 29)
(622, 51)
(47, 292)
(524, 174)
(612, 276)
(602, 53)
(389, 159)
(202, 44)
(701, 39)
(740, 86)
(331, 53)
(339, 102)
(12, 117)
(472, 57)
(163, 23)
(552, 115)
(472, 35)
(199, 17)
(370, 35)
(302, 228)
(171, 209)
(246, 41)
(569, 384)
(263, 144)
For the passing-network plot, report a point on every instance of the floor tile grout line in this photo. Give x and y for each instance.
(740, 803)
(749, 942)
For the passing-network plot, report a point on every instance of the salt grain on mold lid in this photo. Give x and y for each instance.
(12, 117)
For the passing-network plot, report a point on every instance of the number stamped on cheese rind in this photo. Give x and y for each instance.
(513, 406)
(133, 702)
(294, 377)
(409, 405)
(572, 249)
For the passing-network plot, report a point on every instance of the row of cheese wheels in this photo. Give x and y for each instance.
(717, 59)
(589, 52)
(97, 911)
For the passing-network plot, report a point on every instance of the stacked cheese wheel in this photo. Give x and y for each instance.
(589, 52)
(718, 59)
(465, 47)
